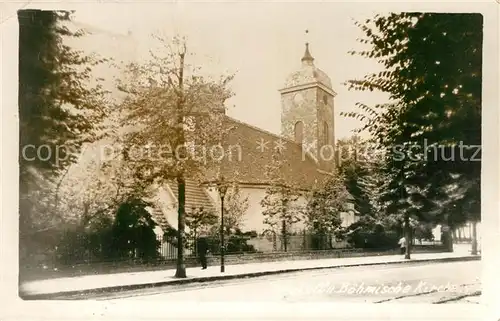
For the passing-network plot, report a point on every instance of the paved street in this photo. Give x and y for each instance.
(98, 282)
(420, 283)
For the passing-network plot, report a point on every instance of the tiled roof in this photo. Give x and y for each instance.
(196, 196)
(250, 167)
(160, 218)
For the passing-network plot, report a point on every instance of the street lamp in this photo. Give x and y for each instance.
(222, 188)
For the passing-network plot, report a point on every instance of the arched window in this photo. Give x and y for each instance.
(299, 132)
(326, 133)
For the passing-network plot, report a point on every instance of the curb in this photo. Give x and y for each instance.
(120, 288)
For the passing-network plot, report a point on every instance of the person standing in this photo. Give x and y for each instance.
(202, 249)
(402, 245)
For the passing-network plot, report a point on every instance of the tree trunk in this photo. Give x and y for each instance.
(407, 230)
(450, 242)
(449, 237)
(283, 231)
(181, 190)
(195, 245)
(181, 183)
(474, 238)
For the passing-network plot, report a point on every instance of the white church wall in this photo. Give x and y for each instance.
(347, 218)
(253, 220)
(168, 205)
(167, 202)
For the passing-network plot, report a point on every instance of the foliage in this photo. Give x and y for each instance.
(432, 74)
(173, 115)
(235, 207)
(236, 242)
(325, 204)
(60, 109)
(93, 188)
(379, 240)
(133, 231)
(423, 231)
(281, 208)
(57, 105)
(200, 221)
(128, 234)
(359, 165)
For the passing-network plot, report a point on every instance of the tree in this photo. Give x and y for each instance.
(174, 115)
(235, 207)
(60, 109)
(324, 206)
(433, 77)
(201, 219)
(96, 188)
(358, 166)
(326, 203)
(423, 231)
(281, 209)
(133, 231)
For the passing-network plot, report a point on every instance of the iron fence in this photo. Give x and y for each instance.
(79, 249)
(236, 244)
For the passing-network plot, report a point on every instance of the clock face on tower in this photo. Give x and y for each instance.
(298, 98)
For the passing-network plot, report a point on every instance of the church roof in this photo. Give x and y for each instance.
(196, 196)
(252, 150)
(308, 73)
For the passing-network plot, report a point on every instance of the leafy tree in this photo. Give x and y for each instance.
(423, 231)
(433, 77)
(133, 231)
(235, 207)
(358, 167)
(94, 188)
(281, 209)
(324, 206)
(174, 116)
(200, 220)
(60, 109)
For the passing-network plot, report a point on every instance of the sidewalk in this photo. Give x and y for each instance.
(44, 289)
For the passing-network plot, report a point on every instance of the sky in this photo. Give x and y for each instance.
(262, 43)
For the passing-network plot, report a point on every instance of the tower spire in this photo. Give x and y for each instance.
(308, 58)
(307, 55)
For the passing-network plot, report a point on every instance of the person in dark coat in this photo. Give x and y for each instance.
(202, 249)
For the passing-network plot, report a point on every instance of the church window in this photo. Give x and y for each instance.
(325, 99)
(326, 134)
(299, 132)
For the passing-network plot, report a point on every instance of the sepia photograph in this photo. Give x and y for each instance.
(274, 152)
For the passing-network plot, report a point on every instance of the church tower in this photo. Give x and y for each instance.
(307, 102)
